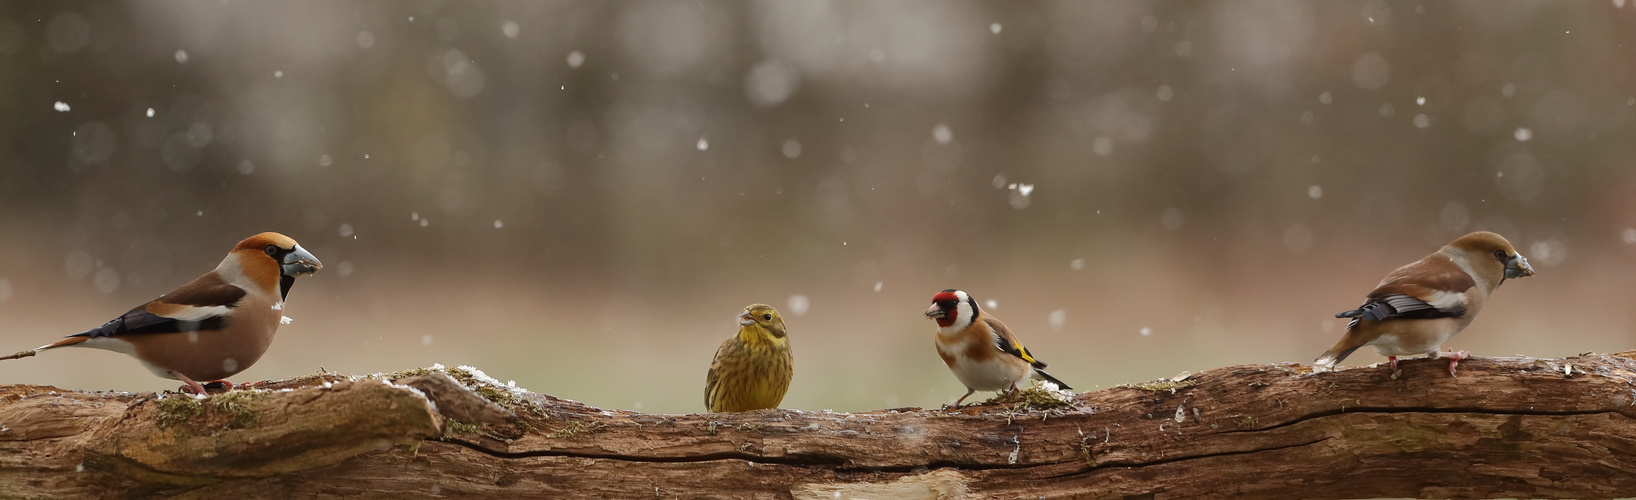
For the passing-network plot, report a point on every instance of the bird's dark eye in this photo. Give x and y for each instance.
(766, 317)
(1500, 254)
(271, 250)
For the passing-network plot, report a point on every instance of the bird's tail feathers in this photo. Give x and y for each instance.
(61, 343)
(1041, 375)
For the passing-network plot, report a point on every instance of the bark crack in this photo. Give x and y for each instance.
(834, 462)
(1395, 410)
(808, 459)
(1162, 461)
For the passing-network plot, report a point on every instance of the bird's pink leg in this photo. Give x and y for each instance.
(1393, 361)
(1454, 359)
(969, 391)
(191, 387)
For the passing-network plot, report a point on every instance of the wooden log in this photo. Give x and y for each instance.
(1507, 427)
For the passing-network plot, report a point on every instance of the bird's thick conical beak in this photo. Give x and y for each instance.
(299, 262)
(1518, 267)
(744, 318)
(936, 312)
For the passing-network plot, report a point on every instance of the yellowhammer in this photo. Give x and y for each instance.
(753, 368)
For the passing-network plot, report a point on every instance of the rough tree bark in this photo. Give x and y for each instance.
(1507, 427)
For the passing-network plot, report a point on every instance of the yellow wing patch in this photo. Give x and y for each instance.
(1024, 351)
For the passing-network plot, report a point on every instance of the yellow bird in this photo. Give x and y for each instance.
(752, 369)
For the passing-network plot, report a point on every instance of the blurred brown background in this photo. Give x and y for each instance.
(580, 196)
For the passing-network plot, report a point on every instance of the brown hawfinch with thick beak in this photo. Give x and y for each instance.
(214, 327)
(979, 349)
(1420, 306)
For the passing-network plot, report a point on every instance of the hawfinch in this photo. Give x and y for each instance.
(752, 369)
(1420, 306)
(212, 328)
(979, 349)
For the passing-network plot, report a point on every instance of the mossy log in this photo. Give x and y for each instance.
(1507, 427)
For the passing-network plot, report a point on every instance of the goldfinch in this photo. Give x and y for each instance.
(212, 328)
(752, 369)
(979, 349)
(1420, 306)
